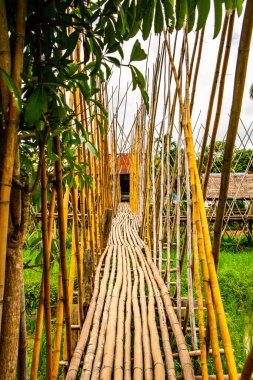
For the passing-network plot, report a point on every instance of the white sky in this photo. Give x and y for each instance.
(205, 78)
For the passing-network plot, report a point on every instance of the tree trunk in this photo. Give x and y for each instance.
(248, 366)
(240, 75)
(9, 342)
(22, 359)
(11, 313)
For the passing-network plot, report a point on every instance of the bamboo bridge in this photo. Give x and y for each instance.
(133, 328)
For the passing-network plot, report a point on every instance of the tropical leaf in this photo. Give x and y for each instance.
(218, 17)
(181, 9)
(71, 43)
(203, 10)
(12, 88)
(114, 60)
(191, 10)
(158, 17)
(168, 6)
(36, 105)
(138, 80)
(239, 7)
(228, 4)
(92, 149)
(137, 54)
(148, 18)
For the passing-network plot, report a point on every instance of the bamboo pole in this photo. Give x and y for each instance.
(204, 226)
(201, 320)
(213, 91)
(95, 344)
(10, 139)
(160, 237)
(240, 76)
(194, 84)
(60, 304)
(178, 212)
(62, 236)
(219, 106)
(93, 357)
(78, 254)
(127, 348)
(40, 311)
(97, 297)
(46, 272)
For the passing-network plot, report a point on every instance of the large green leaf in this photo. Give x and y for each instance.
(181, 9)
(92, 149)
(148, 18)
(137, 54)
(218, 16)
(158, 17)
(229, 4)
(168, 6)
(12, 88)
(36, 105)
(71, 43)
(138, 80)
(203, 10)
(239, 7)
(191, 10)
(114, 60)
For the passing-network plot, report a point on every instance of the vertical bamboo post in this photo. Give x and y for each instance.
(62, 236)
(178, 213)
(10, 143)
(219, 106)
(60, 304)
(46, 272)
(213, 91)
(40, 312)
(204, 234)
(78, 255)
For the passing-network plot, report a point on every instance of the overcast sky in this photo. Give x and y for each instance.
(206, 72)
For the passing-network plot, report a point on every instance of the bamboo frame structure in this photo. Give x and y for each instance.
(141, 322)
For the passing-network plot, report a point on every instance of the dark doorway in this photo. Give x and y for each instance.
(124, 187)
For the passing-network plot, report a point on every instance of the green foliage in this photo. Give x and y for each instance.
(137, 54)
(36, 105)
(12, 88)
(138, 80)
(181, 7)
(158, 17)
(32, 295)
(235, 280)
(203, 10)
(53, 30)
(240, 161)
(218, 16)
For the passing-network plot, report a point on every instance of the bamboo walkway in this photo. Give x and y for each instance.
(131, 325)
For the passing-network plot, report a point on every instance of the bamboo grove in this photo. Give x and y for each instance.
(120, 312)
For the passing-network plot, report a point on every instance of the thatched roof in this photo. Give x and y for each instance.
(240, 186)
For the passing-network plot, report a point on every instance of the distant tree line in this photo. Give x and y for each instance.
(242, 158)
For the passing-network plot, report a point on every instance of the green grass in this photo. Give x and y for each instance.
(235, 276)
